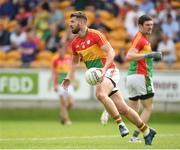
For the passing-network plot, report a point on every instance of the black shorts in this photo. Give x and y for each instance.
(142, 97)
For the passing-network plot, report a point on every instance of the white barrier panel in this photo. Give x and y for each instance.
(28, 84)
(47, 91)
(166, 84)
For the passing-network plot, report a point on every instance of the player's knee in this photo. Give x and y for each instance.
(123, 111)
(62, 102)
(101, 96)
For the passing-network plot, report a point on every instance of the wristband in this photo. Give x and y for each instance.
(146, 55)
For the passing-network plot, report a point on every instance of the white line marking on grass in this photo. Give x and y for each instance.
(73, 137)
(58, 138)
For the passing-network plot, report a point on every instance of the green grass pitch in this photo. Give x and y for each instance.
(40, 128)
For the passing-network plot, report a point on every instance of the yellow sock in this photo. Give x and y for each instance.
(144, 128)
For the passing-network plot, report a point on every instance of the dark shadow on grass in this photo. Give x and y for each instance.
(76, 115)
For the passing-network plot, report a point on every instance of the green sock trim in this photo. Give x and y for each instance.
(118, 119)
(136, 133)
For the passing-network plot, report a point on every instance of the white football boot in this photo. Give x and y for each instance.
(104, 117)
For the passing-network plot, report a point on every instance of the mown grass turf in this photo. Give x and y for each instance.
(40, 128)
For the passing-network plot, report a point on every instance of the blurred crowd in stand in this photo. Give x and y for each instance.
(31, 31)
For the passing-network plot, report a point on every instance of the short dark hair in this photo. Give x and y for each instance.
(144, 18)
(79, 14)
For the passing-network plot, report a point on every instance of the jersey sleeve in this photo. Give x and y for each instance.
(100, 38)
(137, 43)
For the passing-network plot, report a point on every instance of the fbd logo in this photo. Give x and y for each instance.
(18, 83)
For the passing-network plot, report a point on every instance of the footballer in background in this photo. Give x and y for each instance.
(60, 67)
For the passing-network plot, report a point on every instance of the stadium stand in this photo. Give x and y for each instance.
(39, 11)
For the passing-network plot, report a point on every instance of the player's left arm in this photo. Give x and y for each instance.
(106, 46)
(110, 55)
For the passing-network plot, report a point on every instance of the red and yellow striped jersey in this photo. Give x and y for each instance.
(89, 49)
(142, 66)
(62, 66)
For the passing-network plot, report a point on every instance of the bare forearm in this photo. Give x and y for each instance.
(134, 56)
(110, 54)
(110, 58)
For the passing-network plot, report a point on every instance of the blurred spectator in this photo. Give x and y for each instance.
(178, 21)
(41, 18)
(121, 3)
(30, 4)
(57, 16)
(156, 33)
(23, 17)
(8, 8)
(4, 38)
(130, 21)
(146, 6)
(40, 45)
(80, 4)
(53, 39)
(161, 5)
(120, 56)
(17, 37)
(178, 15)
(66, 40)
(28, 50)
(124, 8)
(97, 24)
(167, 47)
(110, 6)
(167, 10)
(43, 15)
(67, 37)
(171, 27)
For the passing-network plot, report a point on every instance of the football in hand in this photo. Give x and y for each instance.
(93, 75)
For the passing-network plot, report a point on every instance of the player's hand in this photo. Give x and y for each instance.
(75, 83)
(155, 55)
(103, 71)
(66, 83)
(55, 88)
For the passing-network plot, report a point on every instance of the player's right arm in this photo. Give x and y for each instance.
(137, 45)
(133, 54)
(67, 80)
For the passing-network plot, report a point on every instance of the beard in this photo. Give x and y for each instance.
(76, 30)
(149, 32)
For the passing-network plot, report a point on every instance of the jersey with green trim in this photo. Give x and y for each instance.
(62, 66)
(88, 48)
(142, 66)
